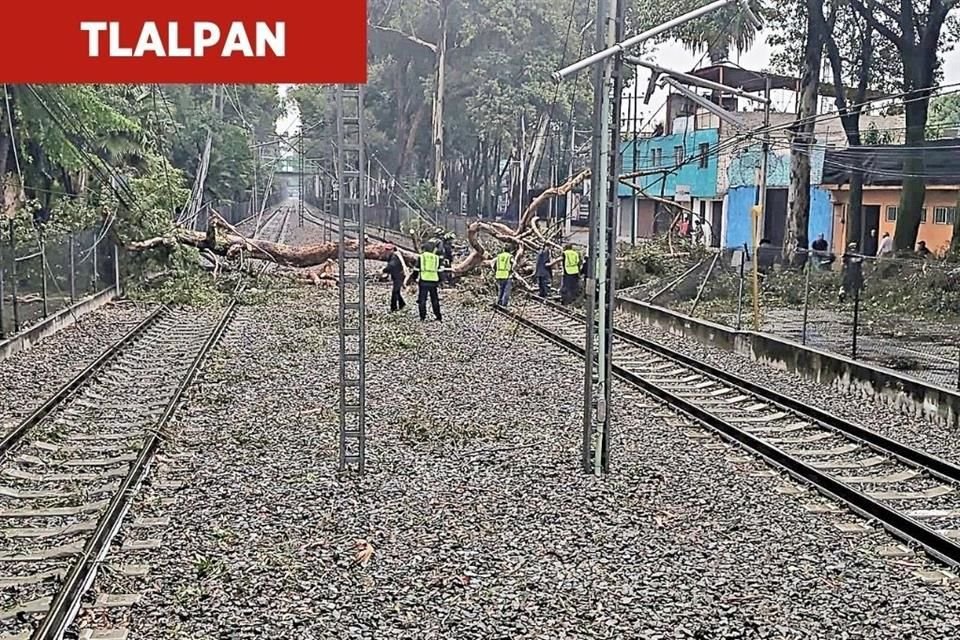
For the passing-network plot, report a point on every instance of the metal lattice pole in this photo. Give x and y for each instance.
(350, 208)
(608, 89)
(300, 185)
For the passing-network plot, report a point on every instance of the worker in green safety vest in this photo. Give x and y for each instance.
(570, 284)
(503, 272)
(428, 273)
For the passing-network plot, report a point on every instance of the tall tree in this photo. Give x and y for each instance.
(801, 132)
(859, 63)
(916, 29)
(716, 34)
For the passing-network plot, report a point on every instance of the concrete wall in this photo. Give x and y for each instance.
(60, 320)
(909, 395)
(702, 181)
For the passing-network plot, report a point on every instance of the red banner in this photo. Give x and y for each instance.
(184, 41)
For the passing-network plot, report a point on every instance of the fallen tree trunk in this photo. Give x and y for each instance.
(287, 255)
(316, 261)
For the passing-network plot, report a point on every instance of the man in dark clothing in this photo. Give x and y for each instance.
(852, 281)
(544, 272)
(820, 257)
(428, 272)
(922, 250)
(397, 275)
(446, 255)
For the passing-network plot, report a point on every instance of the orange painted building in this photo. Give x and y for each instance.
(882, 169)
(881, 206)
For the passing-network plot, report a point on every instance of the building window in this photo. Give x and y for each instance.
(894, 212)
(944, 215)
(678, 156)
(656, 155)
(704, 154)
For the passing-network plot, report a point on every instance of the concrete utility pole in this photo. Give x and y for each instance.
(601, 273)
(760, 210)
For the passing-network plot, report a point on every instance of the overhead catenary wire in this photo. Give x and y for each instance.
(733, 141)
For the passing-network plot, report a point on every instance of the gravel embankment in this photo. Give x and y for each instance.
(30, 376)
(918, 432)
(480, 523)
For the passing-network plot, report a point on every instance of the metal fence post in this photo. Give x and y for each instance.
(13, 278)
(96, 273)
(72, 275)
(3, 266)
(856, 320)
(743, 262)
(43, 276)
(116, 269)
(808, 266)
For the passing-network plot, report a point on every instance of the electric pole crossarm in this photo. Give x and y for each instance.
(686, 78)
(713, 108)
(621, 47)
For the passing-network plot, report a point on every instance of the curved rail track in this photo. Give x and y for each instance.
(70, 470)
(909, 492)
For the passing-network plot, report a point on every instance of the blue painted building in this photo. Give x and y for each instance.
(687, 159)
(694, 151)
(741, 195)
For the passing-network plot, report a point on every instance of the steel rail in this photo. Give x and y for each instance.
(66, 604)
(940, 467)
(71, 386)
(897, 523)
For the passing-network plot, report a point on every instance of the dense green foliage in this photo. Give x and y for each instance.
(498, 59)
(130, 153)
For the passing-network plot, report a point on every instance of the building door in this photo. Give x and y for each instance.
(775, 217)
(716, 222)
(871, 222)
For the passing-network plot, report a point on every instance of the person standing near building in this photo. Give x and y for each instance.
(428, 273)
(570, 283)
(885, 250)
(397, 275)
(544, 272)
(503, 265)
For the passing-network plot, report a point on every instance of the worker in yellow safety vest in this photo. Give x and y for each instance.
(570, 284)
(503, 266)
(428, 273)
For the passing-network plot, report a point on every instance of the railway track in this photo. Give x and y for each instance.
(909, 492)
(70, 470)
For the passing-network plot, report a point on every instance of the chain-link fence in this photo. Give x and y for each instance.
(41, 276)
(899, 313)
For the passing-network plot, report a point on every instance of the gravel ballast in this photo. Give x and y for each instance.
(31, 376)
(917, 432)
(474, 518)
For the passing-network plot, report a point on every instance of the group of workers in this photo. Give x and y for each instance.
(435, 265)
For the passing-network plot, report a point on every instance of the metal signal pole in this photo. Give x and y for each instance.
(608, 79)
(300, 185)
(351, 166)
(605, 173)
